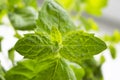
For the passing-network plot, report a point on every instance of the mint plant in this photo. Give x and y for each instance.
(54, 49)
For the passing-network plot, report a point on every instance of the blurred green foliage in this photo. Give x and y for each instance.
(93, 7)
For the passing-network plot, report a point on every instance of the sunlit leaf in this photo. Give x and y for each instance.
(56, 35)
(21, 3)
(3, 7)
(67, 3)
(102, 59)
(116, 36)
(95, 6)
(112, 51)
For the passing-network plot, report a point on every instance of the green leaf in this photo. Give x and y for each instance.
(33, 45)
(52, 14)
(11, 55)
(50, 69)
(79, 71)
(88, 24)
(14, 3)
(21, 3)
(56, 35)
(73, 5)
(0, 43)
(2, 9)
(78, 45)
(95, 6)
(67, 4)
(32, 3)
(112, 51)
(102, 59)
(23, 19)
(116, 36)
(92, 70)
(2, 72)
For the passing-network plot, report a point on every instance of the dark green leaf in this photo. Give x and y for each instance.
(11, 55)
(52, 14)
(2, 72)
(92, 70)
(23, 19)
(79, 45)
(0, 43)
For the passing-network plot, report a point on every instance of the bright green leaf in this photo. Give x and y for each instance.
(95, 6)
(112, 51)
(73, 5)
(21, 3)
(88, 24)
(52, 14)
(14, 3)
(23, 19)
(102, 59)
(67, 3)
(2, 9)
(56, 35)
(32, 46)
(50, 69)
(116, 36)
(79, 45)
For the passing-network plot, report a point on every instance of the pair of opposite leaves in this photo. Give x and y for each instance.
(50, 56)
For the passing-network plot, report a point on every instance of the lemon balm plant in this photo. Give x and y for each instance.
(56, 49)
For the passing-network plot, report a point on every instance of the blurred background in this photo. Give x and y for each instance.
(108, 22)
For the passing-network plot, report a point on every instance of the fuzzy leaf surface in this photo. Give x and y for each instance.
(50, 69)
(52, 14)
(79, 45)
(23, 19)
(34, 45)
